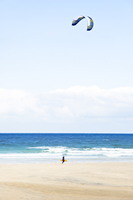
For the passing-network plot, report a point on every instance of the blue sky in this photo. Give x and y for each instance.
(60, 78)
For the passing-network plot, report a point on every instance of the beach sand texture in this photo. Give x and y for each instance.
(76, 181)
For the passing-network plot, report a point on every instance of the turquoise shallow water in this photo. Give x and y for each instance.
(47, 148)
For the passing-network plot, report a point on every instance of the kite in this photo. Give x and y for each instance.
(90, 22)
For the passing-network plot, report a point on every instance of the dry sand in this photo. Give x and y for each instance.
(93, 181)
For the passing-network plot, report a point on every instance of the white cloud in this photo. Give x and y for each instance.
(16, 103)
(68, 105)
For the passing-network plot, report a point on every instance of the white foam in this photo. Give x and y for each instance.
(57, 152)
(106, 152)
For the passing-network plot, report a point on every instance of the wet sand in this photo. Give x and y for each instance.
(110, 181)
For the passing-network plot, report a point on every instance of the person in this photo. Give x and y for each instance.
(63, 159)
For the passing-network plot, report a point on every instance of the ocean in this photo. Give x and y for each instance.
(49, 148)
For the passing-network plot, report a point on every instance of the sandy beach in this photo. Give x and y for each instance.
(66, 181)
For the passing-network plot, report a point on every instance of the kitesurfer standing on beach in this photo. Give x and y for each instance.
(63, 159)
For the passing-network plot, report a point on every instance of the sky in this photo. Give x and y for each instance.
(59, 78)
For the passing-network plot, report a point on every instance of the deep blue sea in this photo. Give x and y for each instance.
(47, 148)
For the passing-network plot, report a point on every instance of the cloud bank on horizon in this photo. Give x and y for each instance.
(67, 105)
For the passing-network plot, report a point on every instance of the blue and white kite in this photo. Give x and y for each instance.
(90, 22)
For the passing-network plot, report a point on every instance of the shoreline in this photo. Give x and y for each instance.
(65, 163)
(110, 180)
(38, 159)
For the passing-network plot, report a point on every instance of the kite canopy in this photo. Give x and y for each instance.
(90, 22)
